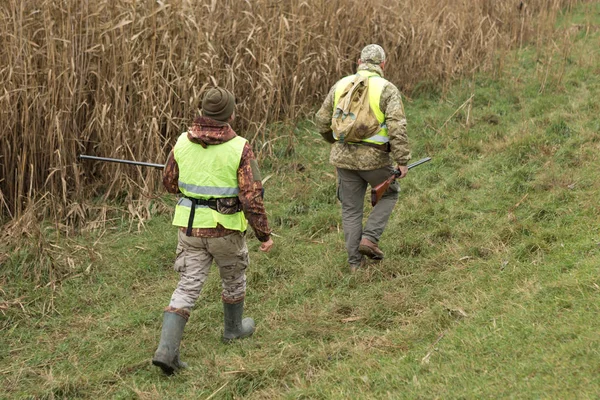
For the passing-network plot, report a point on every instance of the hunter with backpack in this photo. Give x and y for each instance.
(363, 118)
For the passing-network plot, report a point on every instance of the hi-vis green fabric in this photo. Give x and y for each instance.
(375, 88)
(206, 173)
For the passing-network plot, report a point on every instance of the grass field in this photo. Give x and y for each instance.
(490, 287)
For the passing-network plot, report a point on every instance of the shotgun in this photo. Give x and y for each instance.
(116, 160)
(380, 189)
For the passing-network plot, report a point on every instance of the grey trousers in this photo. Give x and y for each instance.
(352, 186)
(194, 258)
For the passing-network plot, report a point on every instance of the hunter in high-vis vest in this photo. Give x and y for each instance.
(217, 177)
(368, 162)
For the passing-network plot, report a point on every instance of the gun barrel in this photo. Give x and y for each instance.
(396, 172)
(421, 161)
(117, 160)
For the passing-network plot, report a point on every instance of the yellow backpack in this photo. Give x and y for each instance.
(353, 120)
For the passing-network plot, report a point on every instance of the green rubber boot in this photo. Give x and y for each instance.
(167, 355)
(235, 326)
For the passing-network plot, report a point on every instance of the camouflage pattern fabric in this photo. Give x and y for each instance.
(182, 312)
(195, 256)
(372, 54)
(360, 157)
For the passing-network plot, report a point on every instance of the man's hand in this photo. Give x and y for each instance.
(266, 246)
(403, 171)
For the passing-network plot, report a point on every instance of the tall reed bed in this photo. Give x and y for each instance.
(123, 78)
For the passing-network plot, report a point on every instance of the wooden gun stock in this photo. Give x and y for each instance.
(378, 191)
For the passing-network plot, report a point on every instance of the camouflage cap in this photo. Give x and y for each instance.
(372, 53)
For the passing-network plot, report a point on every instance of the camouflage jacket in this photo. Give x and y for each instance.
(360, 157)
(208, 132)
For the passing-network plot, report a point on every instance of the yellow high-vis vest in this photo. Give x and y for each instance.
(208, 173)
(376, 84)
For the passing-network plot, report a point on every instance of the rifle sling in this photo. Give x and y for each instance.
(188, 231)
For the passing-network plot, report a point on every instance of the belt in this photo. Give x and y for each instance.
(214, 204)
(211, 203)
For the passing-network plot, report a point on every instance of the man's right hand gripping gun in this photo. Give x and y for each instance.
(380, 189)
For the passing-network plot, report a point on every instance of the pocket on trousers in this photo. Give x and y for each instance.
(243, 254)
(238, 241)
(179, 264)
(338, 189)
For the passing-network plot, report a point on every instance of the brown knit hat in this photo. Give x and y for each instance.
(218, 104)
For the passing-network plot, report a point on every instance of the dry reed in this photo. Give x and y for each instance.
(122, 78)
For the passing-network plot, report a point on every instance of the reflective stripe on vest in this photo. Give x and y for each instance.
(211, 191)
(376, 84)
(206, 173)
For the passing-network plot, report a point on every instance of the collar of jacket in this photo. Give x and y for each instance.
(371, 67)
(207, 131)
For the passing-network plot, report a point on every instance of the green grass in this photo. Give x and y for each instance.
(489, 288)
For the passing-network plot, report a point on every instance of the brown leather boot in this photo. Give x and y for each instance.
(370, 249)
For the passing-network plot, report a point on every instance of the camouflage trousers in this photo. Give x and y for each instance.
(351, 190)
(194, 259)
